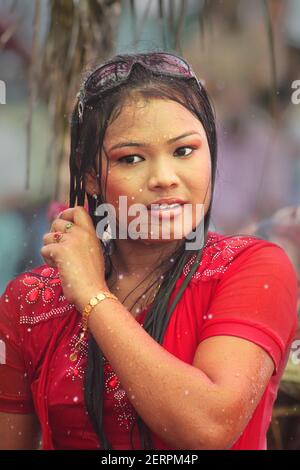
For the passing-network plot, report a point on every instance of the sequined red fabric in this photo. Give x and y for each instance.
(243, 287)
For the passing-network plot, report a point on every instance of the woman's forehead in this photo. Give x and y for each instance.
(156, 116)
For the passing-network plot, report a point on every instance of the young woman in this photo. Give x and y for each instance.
(144, 342)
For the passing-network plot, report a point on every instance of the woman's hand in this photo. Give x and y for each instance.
(78, 255)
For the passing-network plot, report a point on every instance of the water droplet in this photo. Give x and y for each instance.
(140, 190)
(209, 316)
(266, 286)
(29, 330)
(120, 276)
(132, 397)
(186, 392)
(204, 317)
(75, 399)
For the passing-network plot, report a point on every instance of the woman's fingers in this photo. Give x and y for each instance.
(59, 225)
(53, 237)
(79, 216)
(47, 255)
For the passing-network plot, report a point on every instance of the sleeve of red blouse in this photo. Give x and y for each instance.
(256, 300)
(15, 395)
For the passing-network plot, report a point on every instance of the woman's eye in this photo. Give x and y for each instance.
(129, 159)
(183, 149)
(132, 159)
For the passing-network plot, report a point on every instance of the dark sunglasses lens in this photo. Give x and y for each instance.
(168, 63)
(112, 73)
(108, 75)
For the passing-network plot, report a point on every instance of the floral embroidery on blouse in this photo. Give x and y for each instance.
(217, 256)
(44, 316)
(75, 370)
(123, 409)
(124, 412)
(41, 287)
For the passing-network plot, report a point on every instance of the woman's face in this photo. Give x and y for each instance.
(153, 150)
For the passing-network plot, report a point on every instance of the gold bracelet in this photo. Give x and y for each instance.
(92, 303)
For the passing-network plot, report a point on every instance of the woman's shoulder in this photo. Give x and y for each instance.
(36, 295)
(221, 252)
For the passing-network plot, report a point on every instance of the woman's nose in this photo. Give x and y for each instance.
(162, 174)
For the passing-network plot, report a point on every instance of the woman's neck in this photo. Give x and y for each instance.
(134, 259)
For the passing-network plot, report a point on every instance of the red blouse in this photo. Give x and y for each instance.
(243, 287)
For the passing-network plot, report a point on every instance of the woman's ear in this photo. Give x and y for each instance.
(91, 182)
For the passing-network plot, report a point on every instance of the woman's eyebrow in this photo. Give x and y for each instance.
(141, 144)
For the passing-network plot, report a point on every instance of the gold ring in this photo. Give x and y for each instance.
(68, 226)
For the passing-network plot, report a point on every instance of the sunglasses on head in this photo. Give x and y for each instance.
(114, 73)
